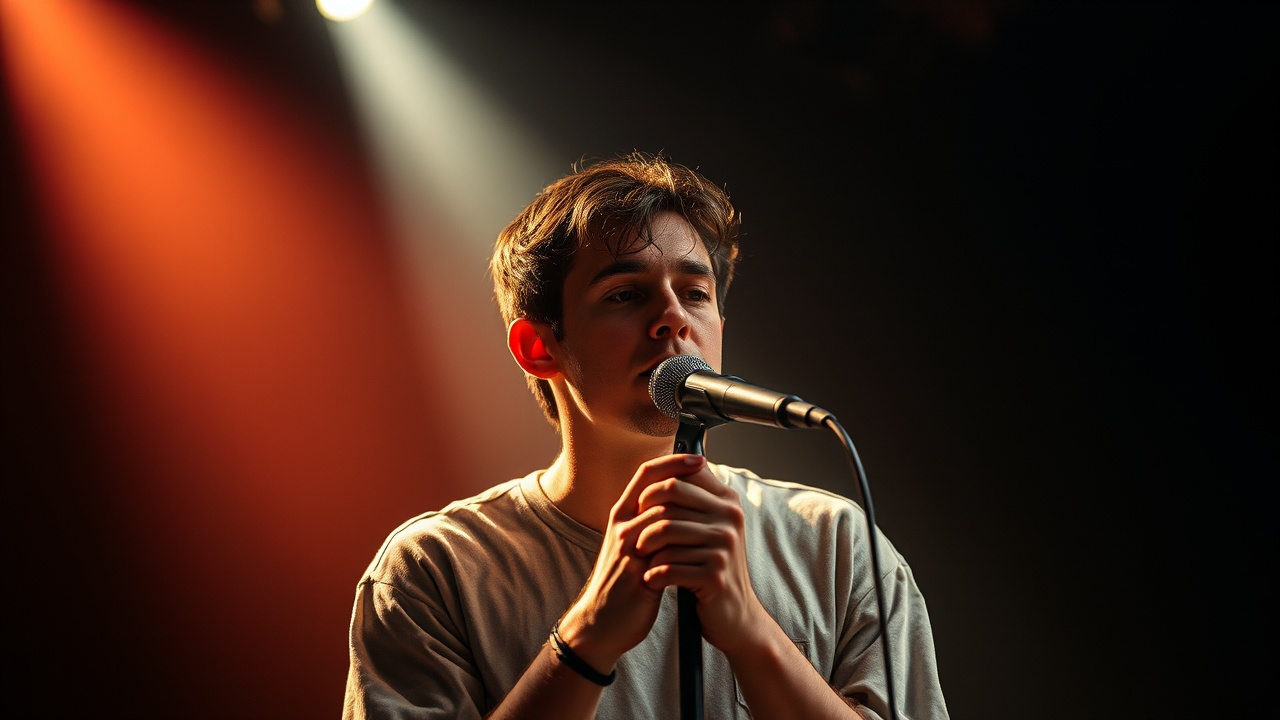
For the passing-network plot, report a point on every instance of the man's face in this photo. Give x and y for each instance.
(625, 315)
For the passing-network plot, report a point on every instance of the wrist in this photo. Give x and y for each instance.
(759, 637)
(584, 640)
(570, 659)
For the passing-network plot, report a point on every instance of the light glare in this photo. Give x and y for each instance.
(342, 10)
(455, 167)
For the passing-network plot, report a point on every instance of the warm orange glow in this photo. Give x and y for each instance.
(243, 331)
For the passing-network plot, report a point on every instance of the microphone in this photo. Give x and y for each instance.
(686, 386)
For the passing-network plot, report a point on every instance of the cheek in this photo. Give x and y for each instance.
(709, 339)
(590, 339)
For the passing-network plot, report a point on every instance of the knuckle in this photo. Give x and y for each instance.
(655, 493)
(654, 464)
(621, 533)
(717, 560)
(726, 537)
(736, 515)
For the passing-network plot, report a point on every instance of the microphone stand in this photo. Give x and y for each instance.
(689, 437)
(689, 629)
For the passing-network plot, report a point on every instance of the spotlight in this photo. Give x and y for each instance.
(342, 10)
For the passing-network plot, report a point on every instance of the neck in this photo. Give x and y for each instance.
(591, 472)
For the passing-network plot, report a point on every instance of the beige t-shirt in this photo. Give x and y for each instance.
(458, 602)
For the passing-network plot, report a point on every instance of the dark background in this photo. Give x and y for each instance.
(1025, 250)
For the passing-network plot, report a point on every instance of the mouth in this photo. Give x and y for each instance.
(648, 373)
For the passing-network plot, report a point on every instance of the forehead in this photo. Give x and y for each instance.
(669, 241)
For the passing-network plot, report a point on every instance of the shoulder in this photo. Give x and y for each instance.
(458, 528)
(806, 521)
(789, 498)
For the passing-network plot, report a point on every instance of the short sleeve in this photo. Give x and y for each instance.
(859, 672)
(408, 660)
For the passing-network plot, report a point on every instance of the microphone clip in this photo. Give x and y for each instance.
(690, 435)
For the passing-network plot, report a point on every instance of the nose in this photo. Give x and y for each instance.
(672, 319)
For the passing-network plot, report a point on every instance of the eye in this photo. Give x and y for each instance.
(698, 294)
(622, 296)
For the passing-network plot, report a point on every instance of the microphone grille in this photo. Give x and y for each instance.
(665, 382)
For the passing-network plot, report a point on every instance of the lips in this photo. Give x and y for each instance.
(648, 372)
(654, 366)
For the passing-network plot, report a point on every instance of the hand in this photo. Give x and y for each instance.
(693, 537)
(618, 606)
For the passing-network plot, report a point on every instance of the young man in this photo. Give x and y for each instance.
(606, 274)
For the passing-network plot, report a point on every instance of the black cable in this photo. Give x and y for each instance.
(865, 489)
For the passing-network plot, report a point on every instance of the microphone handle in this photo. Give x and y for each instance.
(689, 628)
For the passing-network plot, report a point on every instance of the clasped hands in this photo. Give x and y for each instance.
(675, 524)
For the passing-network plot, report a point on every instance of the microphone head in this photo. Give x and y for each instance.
(665, 382)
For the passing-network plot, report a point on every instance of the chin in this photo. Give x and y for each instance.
(655, 424)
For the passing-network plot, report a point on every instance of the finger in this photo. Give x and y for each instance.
(703, 480)
(651, 472)
(630, 531)
(666, 511)
(677, 492)
(694, 568)
(708, 481)
(667, 532)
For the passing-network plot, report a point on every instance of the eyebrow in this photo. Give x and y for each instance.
(686, 266)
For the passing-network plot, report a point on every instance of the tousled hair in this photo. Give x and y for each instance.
(610, 205)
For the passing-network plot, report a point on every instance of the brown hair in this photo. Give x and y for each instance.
(610, 204)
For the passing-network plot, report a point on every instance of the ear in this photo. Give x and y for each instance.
(529, 344)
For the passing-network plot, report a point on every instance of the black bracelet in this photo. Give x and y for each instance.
(577, 664)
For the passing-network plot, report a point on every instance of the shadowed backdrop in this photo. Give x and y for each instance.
(1024, 250)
